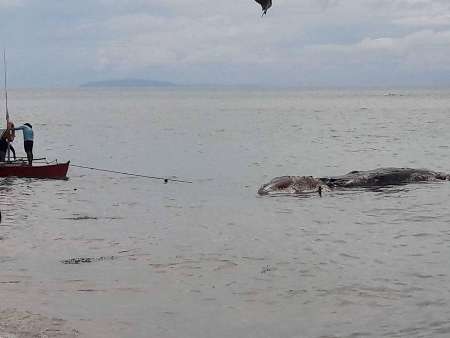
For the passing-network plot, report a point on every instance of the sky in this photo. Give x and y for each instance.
(307, 43)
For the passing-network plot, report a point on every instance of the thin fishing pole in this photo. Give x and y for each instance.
(6, 90)
(6, 103)
(130, 174)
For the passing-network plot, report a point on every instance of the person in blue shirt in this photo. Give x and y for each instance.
(28, 138)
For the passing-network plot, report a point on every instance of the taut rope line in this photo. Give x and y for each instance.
(131, 174)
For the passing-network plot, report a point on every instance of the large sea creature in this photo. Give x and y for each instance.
(370, 178)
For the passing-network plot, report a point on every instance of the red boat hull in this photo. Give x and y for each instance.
(54, 171)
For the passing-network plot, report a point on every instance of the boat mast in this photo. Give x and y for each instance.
(6, 103)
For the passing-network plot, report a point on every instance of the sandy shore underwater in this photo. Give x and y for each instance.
(19, 324)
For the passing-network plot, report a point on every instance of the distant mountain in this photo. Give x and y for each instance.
(128, 83)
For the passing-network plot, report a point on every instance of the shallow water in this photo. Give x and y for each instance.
(212, 258)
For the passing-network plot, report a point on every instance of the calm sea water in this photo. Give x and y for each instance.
(212, 259)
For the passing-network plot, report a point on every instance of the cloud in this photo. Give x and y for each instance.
(144, 40)
(180, 39)
(420, 51)
(425, 20)
(214, 37)
(10, 3)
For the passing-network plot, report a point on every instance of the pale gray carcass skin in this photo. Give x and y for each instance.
(369, 178)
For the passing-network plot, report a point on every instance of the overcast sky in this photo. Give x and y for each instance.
(299, 42)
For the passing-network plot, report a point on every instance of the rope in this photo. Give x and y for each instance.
(131, 174)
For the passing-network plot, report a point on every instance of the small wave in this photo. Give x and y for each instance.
(81, 218)
(81, 260)
(84, 218)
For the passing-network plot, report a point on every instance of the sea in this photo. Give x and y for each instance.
(110, 255)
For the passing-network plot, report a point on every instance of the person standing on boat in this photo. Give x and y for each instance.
(7, 136)
(4, 149)
(28, 138)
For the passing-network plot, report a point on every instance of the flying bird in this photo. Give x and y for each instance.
(265, 4)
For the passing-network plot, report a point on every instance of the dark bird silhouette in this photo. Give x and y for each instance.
(265, 4)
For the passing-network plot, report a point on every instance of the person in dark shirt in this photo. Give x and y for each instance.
(4, 146)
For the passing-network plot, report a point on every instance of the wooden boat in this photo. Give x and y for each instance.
(20, 167)
(46, 170)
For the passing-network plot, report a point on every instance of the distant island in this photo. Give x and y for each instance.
(128, 83)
